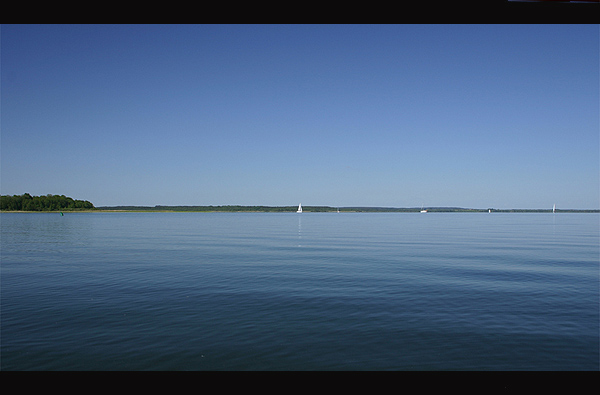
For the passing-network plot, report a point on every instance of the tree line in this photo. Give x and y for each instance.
(26, 202)
(231, 208)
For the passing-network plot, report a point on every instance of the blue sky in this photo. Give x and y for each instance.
(503, 116)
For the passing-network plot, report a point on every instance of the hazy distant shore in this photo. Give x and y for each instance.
(321, 209)
(306, 209)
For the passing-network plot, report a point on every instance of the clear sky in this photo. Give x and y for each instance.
(503, 116)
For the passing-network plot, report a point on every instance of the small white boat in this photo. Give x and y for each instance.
(299, 208)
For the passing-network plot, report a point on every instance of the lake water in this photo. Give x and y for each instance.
(311, 291)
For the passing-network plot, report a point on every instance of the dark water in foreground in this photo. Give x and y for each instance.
(283, 291)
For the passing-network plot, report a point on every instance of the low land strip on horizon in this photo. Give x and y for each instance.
(324, 209)
(60, 203)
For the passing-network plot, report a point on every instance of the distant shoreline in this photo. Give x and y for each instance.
(328, 209)
(306, 209)
(62, 204)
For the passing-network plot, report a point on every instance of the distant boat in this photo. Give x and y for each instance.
(423, 210)
(299, 208)
(554, 208)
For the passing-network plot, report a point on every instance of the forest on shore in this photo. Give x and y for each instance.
(26, 202)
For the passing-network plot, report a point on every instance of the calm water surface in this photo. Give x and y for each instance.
(315, 291)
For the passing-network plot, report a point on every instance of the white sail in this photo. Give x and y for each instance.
(554, 208)
(299, 208)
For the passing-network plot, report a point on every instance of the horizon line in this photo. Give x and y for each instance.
(348, 207)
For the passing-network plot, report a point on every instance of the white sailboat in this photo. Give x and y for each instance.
(299, 208)
(423, 210)
(554, 208)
